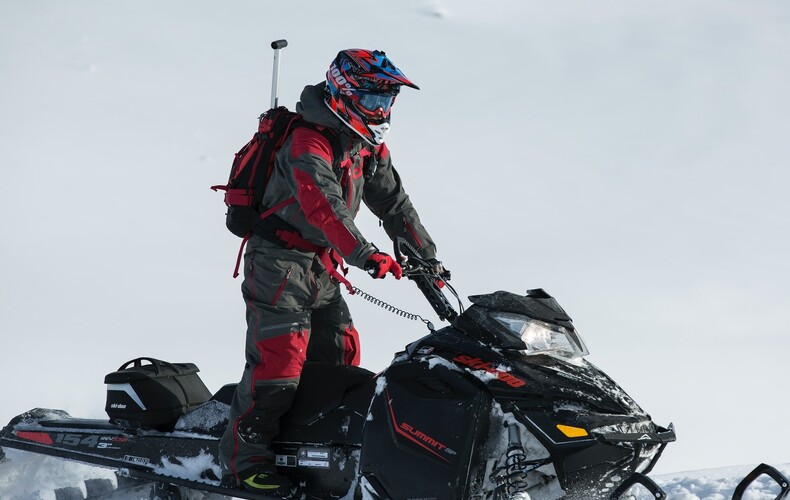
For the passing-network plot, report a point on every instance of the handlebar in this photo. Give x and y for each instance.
(420, 271)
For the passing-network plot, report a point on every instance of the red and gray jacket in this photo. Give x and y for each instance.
(329, 186)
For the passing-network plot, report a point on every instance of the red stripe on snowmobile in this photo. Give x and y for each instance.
(308, 141)
(318, 212)
(405, 434)
(38, 437)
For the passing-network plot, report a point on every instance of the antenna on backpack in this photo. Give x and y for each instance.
(276, 45)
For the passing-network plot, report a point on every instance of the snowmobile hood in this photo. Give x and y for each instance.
(511, 375)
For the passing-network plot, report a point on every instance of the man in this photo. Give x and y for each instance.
(294, 307)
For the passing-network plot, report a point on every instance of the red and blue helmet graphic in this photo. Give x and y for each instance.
(361, 86)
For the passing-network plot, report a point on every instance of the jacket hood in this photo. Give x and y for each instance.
(312, 107)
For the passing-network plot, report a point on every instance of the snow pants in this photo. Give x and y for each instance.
(294, 313)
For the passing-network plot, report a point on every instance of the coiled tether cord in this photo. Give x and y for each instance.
(405, 314)
(389, 307)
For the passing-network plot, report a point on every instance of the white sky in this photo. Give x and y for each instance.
(628, 157)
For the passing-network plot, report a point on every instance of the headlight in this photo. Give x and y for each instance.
(541, 337)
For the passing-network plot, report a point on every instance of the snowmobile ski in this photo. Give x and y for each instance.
(763, 469)
(638, 478)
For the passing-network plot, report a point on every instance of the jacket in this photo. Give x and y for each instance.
(329, 189)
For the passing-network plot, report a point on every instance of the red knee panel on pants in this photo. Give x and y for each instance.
(351, 349)
(282, 356)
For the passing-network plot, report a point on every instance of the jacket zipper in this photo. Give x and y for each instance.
(282, 285)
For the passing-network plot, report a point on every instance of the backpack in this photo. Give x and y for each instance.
(252, 167)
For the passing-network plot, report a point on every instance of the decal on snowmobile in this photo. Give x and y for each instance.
(127, 388)
(38, 437)
(422, 436)
(422, 440)
(136, 460)
(553, 440)
(314, 457)
(488, 367)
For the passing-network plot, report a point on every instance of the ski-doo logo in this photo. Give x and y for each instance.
(488, 367)
(422, 436)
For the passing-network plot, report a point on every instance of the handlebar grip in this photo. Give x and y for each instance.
(279, 44)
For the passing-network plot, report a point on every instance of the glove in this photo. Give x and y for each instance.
(379, 264)
(438, 268)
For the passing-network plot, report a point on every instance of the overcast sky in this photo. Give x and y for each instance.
(629, 157)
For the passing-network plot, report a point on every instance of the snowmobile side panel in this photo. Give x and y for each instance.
(422, 430)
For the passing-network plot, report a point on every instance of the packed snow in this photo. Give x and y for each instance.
(629, 157)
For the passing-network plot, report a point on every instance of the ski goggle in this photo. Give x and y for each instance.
(373, 101)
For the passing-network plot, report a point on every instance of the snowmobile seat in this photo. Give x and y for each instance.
(322, 387)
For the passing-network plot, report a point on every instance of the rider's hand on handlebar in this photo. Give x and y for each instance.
(438, 268)
(379, 264)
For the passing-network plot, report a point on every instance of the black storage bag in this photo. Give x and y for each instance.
(153, 395)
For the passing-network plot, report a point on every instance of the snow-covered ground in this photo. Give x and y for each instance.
(629, 157)
(26, 476)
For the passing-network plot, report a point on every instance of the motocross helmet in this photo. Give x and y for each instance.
(361, 86)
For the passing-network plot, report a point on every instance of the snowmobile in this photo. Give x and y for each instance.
(499, 404)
